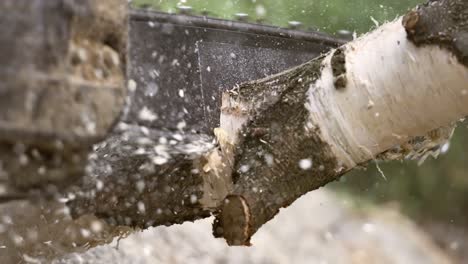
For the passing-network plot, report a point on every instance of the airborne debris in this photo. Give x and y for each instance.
(445, 148)
(376, 23)
(181, 125)
(193, 199)
(159, 160)
(178, 137)
(132, 85)
(305, 164)
(380, 171)
(99, 185)
(244, 168)
(260, 10)
(141, 207)
(23, 159)
(152, 89)
(368, 228)
(96, 226)
(181, 93)
(144, 130)
(370, 104)
(140, 186)
(269, 159)
(85, 233)
(146, 114)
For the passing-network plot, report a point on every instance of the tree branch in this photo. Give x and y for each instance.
(385, 92)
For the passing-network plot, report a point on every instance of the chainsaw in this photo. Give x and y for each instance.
(177, 67)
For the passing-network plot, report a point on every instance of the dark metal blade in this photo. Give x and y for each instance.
(181, 64)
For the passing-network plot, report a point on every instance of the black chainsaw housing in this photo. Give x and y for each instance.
(181, 64)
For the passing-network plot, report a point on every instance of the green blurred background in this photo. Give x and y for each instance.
(436, 191)
(323, 15)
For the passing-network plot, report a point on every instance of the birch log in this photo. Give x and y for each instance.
(300, 129)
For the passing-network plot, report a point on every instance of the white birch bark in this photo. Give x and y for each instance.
(395, 91)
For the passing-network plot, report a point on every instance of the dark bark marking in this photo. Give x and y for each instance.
(440, 22)
(338, 64)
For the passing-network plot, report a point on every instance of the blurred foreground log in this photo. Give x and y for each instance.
(62, 87)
